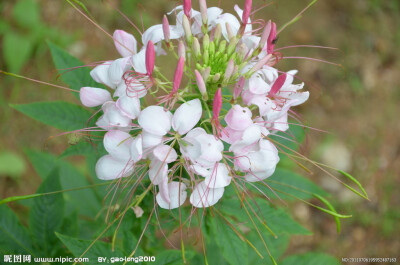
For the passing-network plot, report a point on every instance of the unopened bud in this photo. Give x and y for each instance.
(150, 58)
(181, 49)
(196, 47)
(265, 35)
(232, 45)
(222, 46)
(165, 27)
(229, 30)
(217, 33)
(186, 28)
(216, 77)
(178, 74)
(206, 73)
(187, 7)
(271, 39)
(203, 11)
(246, 11)
(201, 84)
(206, 42)
(229, 70)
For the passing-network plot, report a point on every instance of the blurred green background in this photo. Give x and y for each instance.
(358, 103)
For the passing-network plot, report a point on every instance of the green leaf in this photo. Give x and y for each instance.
(233, 249)
(99, 249)
(17, 50)
(46, 215)
(276, 220)
(44, 163)
(26, 13)
(288, 185)
(310, 258)
(11, 164)
(62, 115)
(14, 237)
(170, 257)
(74, 78)
(353, 179)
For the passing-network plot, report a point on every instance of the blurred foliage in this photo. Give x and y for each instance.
(26, 34)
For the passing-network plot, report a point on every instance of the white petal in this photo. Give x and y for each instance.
(116, 71)
(93, 96)
(155, 120)
(251, 135)
(112, 117)
(100, 73)
(151, 140)
(129, 106)
(177, 196)
(139, 61)
(203, 196)
(136, 149)
(211, 148)
(117, 144)
(156, 34)
(108, 168)
(158, 171)
(165, 153)
(219, 177)
(125, 43)
(187, 116)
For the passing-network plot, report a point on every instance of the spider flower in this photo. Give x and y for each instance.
(212, 118)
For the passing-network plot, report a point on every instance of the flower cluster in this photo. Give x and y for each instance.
(207, 125)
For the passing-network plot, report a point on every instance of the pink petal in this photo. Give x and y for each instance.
(93, 97)
(125, 43)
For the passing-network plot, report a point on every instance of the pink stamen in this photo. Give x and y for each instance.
(187, 7)
(278, 84)
(150, 58)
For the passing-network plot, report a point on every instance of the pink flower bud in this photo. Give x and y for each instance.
(125, 43)
(217, 104)
(187, 7)
(271, 39)
(200, 83)
(239, 87)
(181, 49)
(203, 11)
(229, 69)
(93, 96)
(165, 27)
(178, 74)
(278, 84)
(150, 58)
(246, 11)
(265, 34)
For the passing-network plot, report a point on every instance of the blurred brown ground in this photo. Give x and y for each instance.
(358, 104)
